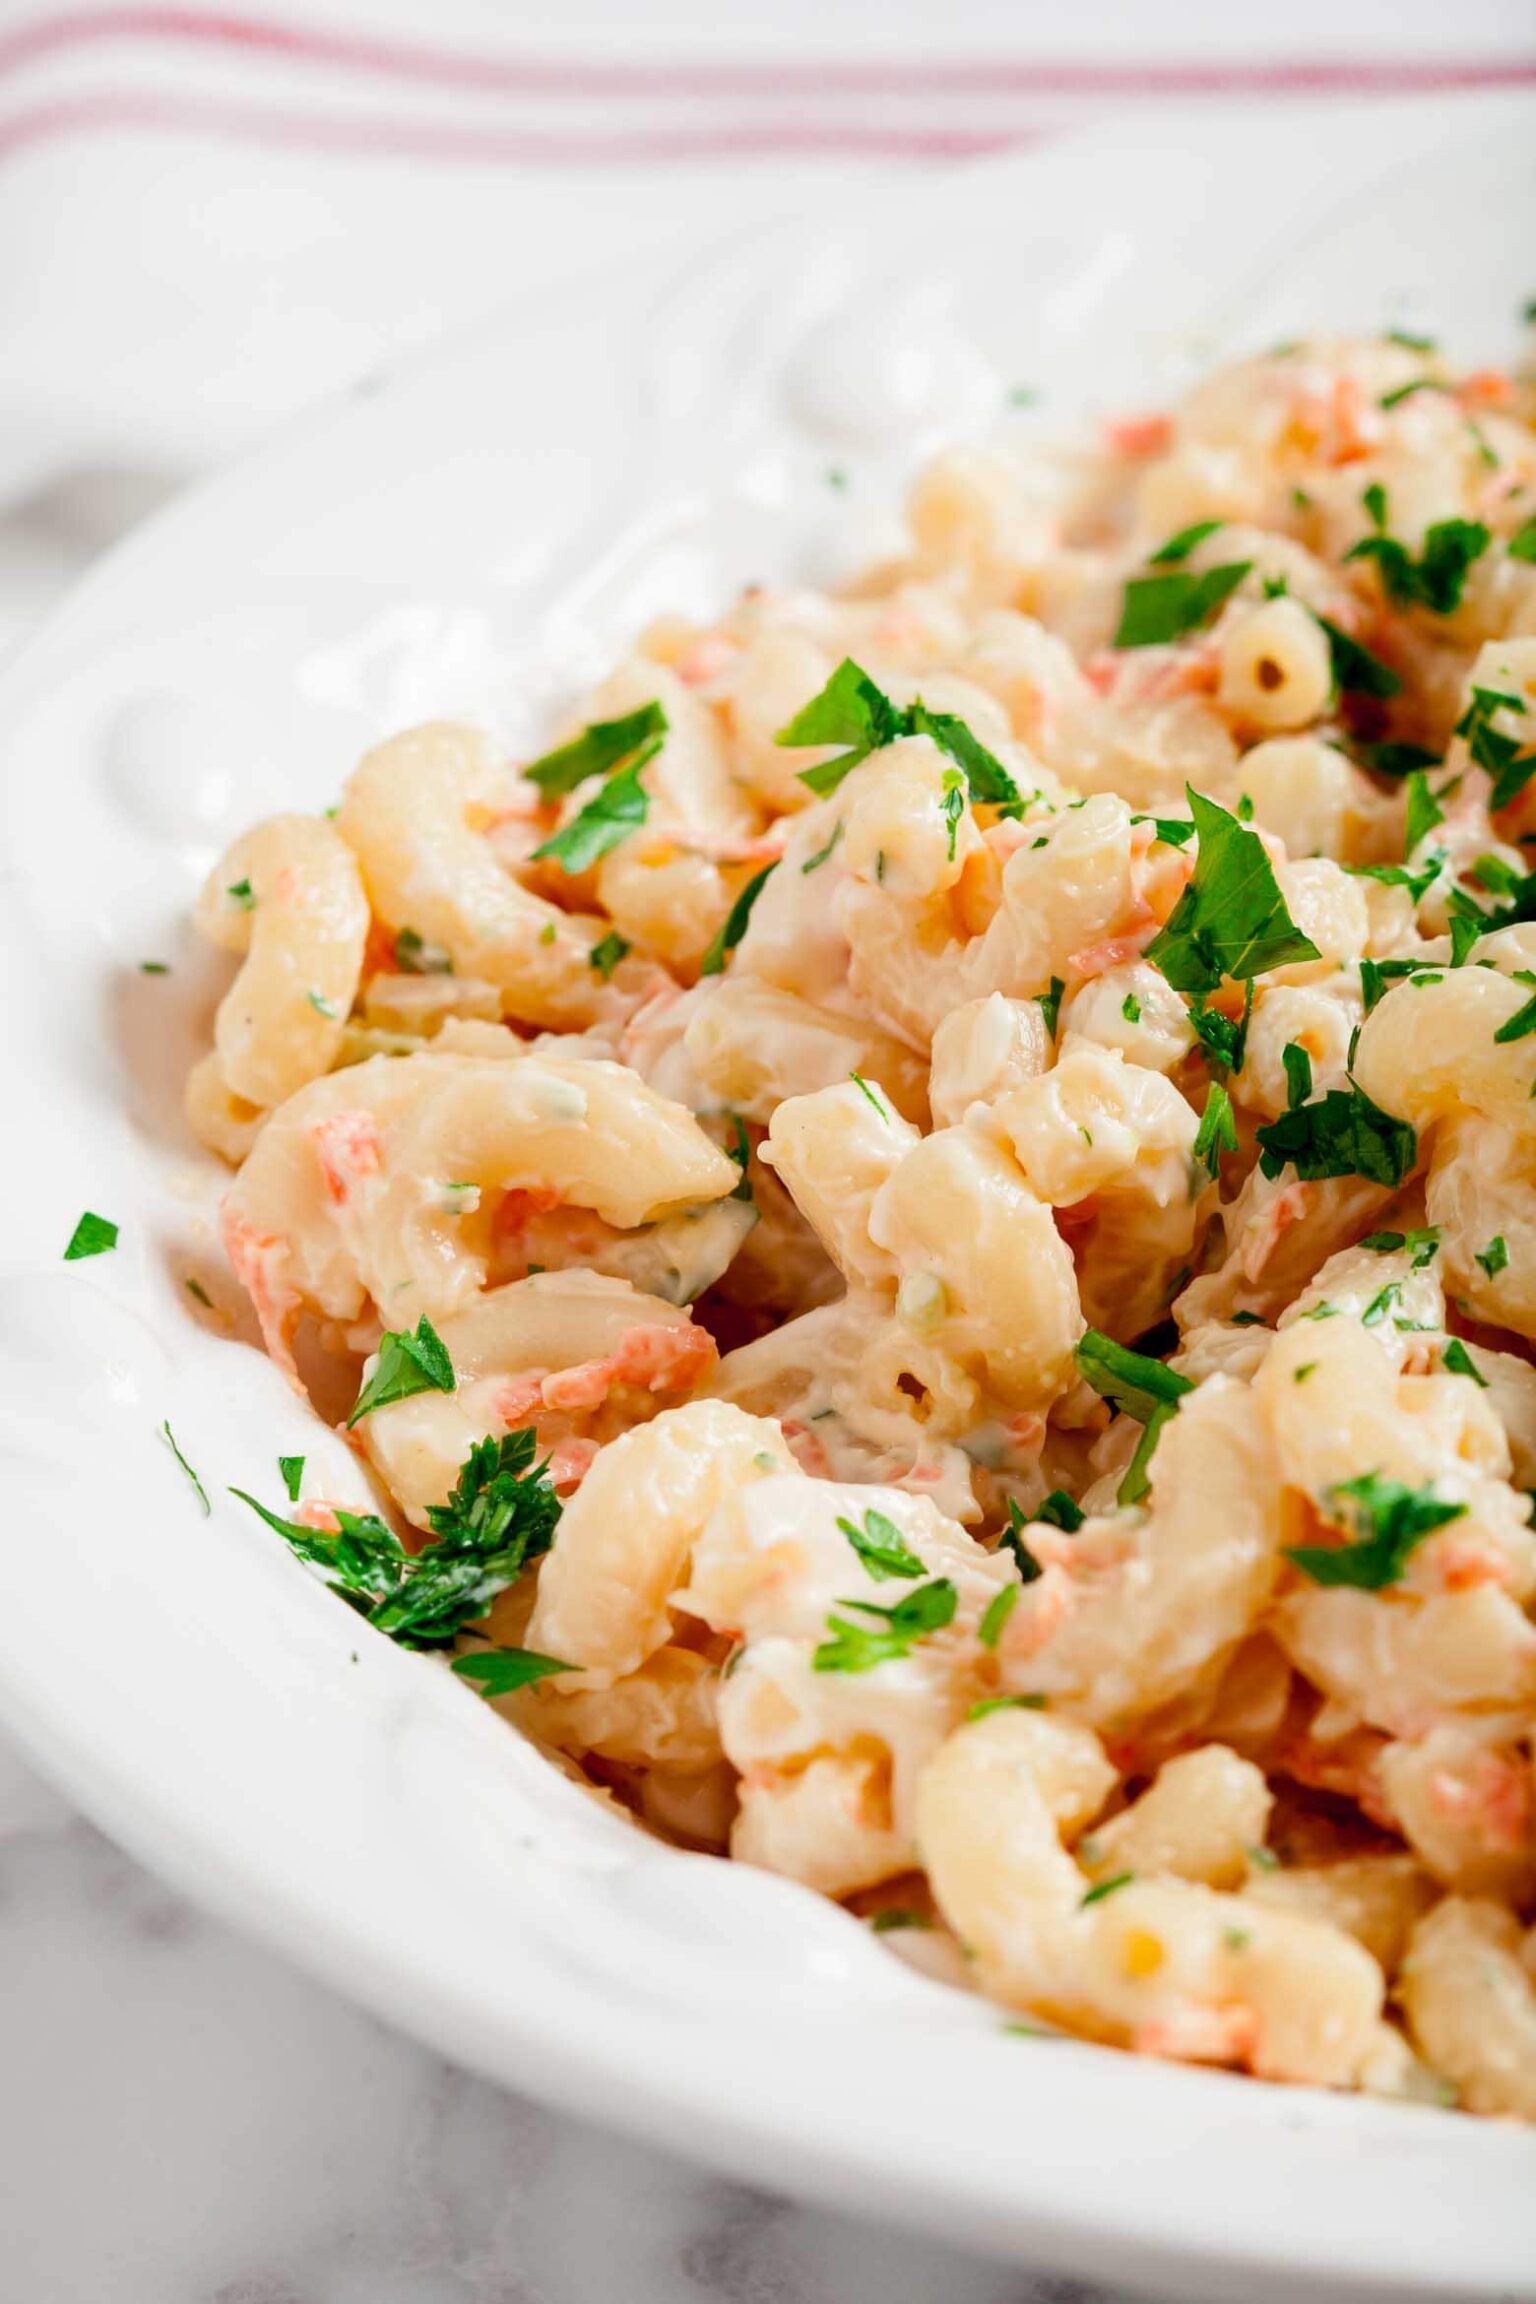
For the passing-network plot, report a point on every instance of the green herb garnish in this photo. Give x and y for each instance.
(291, 1472)
(734, 926)
(858, 1648)
(92, 1236)
(882, 1547)
(1388, 1520)
(407, 1363)
(600, 748)
(1494, 1256)
(169, 1438)
(1157, 610)
(1231, 920)
(501, 1671)
(416, 956)
(1217, 1132)
(1342, 1134)
(620, 808)
(1140, 1387)
(1179, 547)
(606, 954)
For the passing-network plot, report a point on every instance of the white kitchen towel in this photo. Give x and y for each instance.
(211, 216)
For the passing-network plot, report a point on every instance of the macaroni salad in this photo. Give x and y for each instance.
(934, 1222)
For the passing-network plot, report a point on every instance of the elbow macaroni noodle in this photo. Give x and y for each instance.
(1008, 1218)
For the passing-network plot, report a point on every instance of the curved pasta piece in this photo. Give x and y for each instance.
(383, 1181)
(1472, 2005)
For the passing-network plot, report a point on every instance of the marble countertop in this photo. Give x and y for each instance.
(187, 2120)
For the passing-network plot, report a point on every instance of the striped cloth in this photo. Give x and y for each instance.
(211, 216)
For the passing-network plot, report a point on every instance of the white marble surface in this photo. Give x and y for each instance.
(186, 2120)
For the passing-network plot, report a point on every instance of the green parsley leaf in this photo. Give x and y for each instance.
(1231, 920)
(1522, 545)
(1341, 1134)
(850, 710)
(1425, 1244)
(618, 809)
(953, 806)
(869, 1095)
(1060, 1511)
(1050, 1004)
(407, 1364)
(153, 968)
(600, 748)
(856, 1648)
(500, 1671)
(1130, 1008)
(1402, 392)
(1396, 760)
(198, 1293)
(1012, 1540)
(92, 1236)
(996, 1614)
(1409, 343)
(1459, 1361)
(1140, 1387)
(741, 1152)
(990, 1704)
(606, 954)
(1224, 1038)
(1298, 1073)
(242, 895)
(1381, 1304)
(1437, 578)
(812, 862)
(1388, 1522)
(1102, 1888)
(882, 1547)
(897, 1916)
(415, 956)
(1173, 831)
(1217, 1132)
(1159, 609)
(291, 1470)
(1522, 1023)
(734, 926)
(1499, 755)
(169, 1438)
(1356, 672)
(321, 1005)
(1424, 810)
(1179, 547)
(1494, 1256)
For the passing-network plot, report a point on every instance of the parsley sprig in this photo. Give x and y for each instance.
(1339, 1134)
(1157, 610)
(1231, 919)
(734, 926)
(852, 711)
(1437, 578)
(881, 1546)
(598, 750)
(501, 1514)
(859, 1648)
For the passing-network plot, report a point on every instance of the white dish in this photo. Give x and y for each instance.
(474, 537)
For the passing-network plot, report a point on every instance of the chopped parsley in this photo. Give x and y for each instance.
(501, 1514)
(1217, 1132)
(92, 1236)
(869, 1095)
(1522, 545)
(1341, 1134)
(501, 1671)
(1157, 610)
(1501, 757)
(812, 863)
(407, 1363)
(991, 1704)
(1231, 920)
(620, 808)
(1388, 1521)
(1224, 1038)
(1173, 831)
(1012, 1540)
(169, 1438)
(1459, 1361)
(1298, 1074)
(1356, 672)
(851, 711)
(242, 895)
(606, 954)
(1140, 1387)
(322, 1006)
(996, 1614)
(1424, 1244)
(859, 1648)
(1060, 1511)
(1436, 579)
(897, 1916)
(1102, 1888)
(198, 1293)
(1408, 342)
(598, 750)
(1493, 1256)
(882, 1547)
(1050, 1004)
(415, 955)
(953, 806)
(741, 1152)
(1522, 1023)
(734, 926)
(1179, 547)
(1402, 392)
(1396, 759)
(1424, 811)
(153, 968)
(291, 1472)
(1130, 1008)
